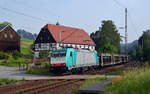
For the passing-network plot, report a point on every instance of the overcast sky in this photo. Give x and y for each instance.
(85, 14)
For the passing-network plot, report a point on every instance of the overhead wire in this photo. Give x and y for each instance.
(23, 14)
(28, 28)
(129, 14)
(120, 4)
(132, 23)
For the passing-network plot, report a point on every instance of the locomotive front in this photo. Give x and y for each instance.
(58, 61)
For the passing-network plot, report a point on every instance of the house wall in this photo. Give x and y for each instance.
(9, 40)
(49, 46)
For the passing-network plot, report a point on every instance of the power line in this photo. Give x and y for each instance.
(132, 23)
(27, 5)
(23, 14)
(120, 4)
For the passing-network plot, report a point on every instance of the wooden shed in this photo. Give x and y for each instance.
(9, 39)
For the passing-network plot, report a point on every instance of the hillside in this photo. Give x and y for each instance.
(26, 46)
(131, 46)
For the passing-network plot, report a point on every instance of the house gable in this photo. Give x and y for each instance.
(9, 34)
(44, 37)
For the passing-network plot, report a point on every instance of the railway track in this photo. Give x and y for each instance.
(107, 69)
(39, 89)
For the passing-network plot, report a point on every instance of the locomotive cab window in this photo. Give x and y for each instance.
(63, 54)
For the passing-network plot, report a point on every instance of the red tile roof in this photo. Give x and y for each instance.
(69, 34)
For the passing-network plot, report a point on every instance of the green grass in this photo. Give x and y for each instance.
(6, 81)
(133, 82)
(26, 46)
(38, 71)
(11, 62)
(116, 73)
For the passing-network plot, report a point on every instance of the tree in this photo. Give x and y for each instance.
(5, 23)
(139, 53)
(16, 54)
(144, 43)
(107, 36)
(108, 48)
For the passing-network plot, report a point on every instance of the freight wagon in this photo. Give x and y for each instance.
(70, 59)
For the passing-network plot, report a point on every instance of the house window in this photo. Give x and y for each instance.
(5, 35)
(11, 36)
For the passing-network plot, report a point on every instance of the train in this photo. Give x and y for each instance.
(79, 60)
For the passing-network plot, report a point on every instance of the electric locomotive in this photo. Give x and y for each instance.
(70, 59)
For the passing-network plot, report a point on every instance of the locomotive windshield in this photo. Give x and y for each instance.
(58, 54)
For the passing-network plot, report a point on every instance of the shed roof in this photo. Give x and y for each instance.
(2, 27)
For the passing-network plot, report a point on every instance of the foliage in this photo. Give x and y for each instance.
(43, 68)
(108, 48)
(115, 73)
(5, 81)
(107, 38)
(133, 82)
(139, 53)
(16, 54)
(142, 52)
(44, 54)
(4, 55)
(38, 71)
(11, 62)
(5, 23)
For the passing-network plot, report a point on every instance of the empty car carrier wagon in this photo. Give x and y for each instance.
(71, 59)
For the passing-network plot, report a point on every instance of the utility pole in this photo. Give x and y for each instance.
(126, 34)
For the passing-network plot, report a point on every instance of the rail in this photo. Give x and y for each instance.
(43, 87)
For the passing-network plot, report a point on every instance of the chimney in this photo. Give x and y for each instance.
(57, 23)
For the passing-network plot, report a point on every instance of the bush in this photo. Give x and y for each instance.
(5, 81)
(38, 71)
(16, 54)
(4, 55)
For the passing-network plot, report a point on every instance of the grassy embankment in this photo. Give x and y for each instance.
(26, 53)
(132, 82)
(26, 46)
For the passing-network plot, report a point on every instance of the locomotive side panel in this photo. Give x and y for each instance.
(86, 58)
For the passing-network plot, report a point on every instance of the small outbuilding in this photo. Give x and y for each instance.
(9, 39)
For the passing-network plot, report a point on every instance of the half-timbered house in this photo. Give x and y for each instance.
(56, 36)
(9, 39)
